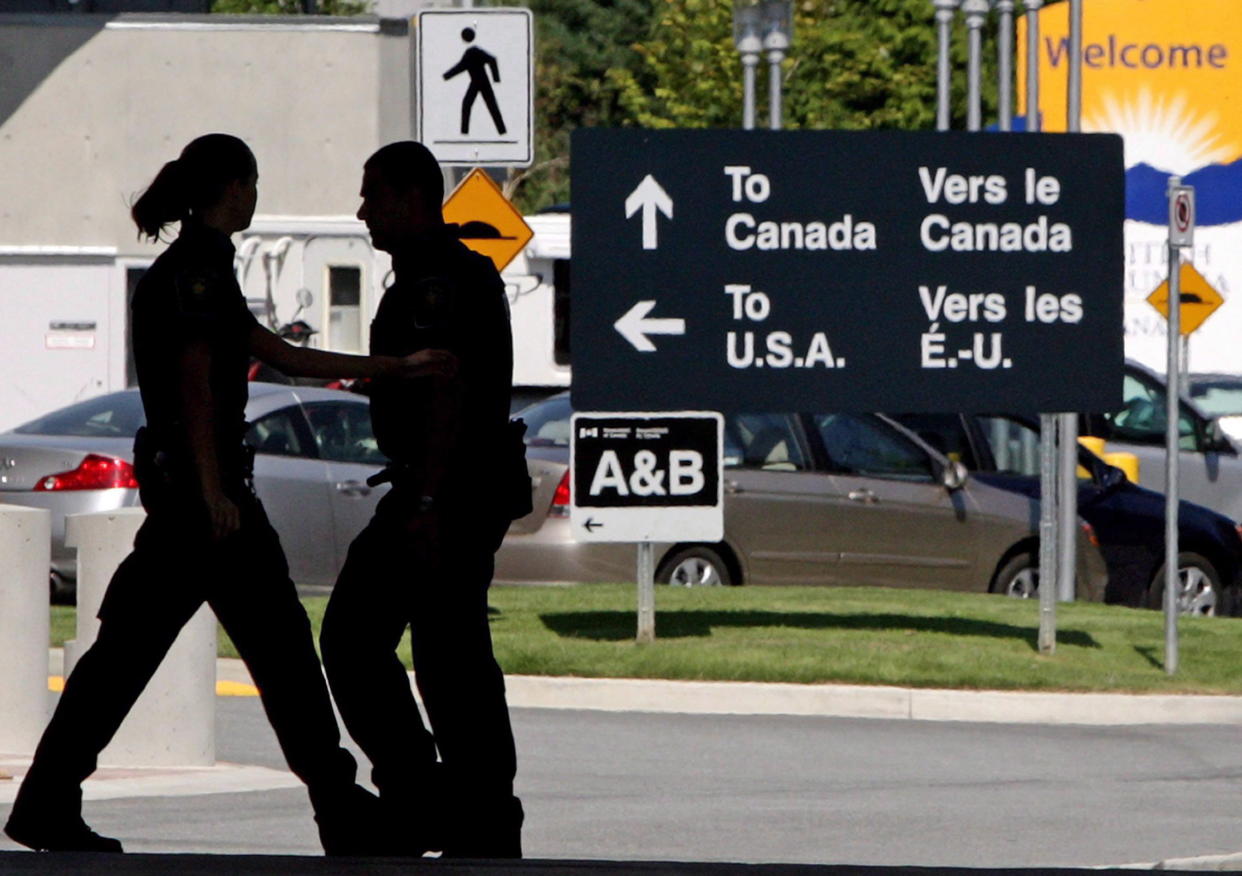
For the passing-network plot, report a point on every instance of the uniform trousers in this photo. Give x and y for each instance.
(392, 581)
(173, 569)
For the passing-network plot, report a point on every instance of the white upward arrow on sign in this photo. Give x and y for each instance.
(635, 326)
(649, 197)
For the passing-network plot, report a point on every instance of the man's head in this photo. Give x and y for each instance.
(402, 192)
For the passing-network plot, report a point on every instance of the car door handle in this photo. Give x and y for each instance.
(733, 487)
(864, 495)
(353, 488)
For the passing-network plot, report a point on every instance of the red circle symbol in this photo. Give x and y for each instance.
(1181, 212)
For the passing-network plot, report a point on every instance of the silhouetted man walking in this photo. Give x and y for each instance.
(477, 62)
(426, 558)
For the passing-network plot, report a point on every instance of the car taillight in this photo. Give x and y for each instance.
(1088, 532)
(1238, 529)
(94, 473)
(560, 499)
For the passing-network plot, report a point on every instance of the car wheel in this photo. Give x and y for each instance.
(1019, 578)
(695, 567)
(1198, 585)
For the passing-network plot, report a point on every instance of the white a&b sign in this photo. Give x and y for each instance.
(640, 477)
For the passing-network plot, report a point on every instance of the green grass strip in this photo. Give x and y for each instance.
(912, 638)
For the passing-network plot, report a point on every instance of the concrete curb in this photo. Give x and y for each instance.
(858, 701)
(110, 783)
(831, 700)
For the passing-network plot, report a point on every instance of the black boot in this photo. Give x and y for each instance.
(54, 829)
(352, 822)
(488, 832)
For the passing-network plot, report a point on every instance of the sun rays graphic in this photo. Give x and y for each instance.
(1163, 131)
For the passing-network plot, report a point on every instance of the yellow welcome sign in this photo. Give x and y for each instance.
(1166, 74)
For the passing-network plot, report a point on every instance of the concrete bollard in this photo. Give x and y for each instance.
(25, 545)
(174, 721)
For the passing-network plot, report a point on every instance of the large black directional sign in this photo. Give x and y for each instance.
(646, 477)
(830, 270)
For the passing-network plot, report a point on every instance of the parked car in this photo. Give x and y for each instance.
(314, 447)
(836, 499)
(1220, 397)
(1003, 450)
(1210, 470)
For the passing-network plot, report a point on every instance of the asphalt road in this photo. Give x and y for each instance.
(628, 786)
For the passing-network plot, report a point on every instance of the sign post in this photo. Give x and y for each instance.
(643, 478)
(1181, 233)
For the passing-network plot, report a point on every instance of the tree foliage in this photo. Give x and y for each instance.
(577, 44)
(853, 64)
(290, 7)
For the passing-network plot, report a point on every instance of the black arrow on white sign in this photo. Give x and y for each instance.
(591, 524)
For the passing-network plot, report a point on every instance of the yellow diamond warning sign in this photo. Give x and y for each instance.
(490, 225)
(1199, 299)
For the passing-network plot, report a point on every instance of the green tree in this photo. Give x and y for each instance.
(290, 7)
(577, 44)
(853, 64)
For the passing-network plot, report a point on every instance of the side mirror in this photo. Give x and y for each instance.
(954, 476)
(1110, 478)
(1216, 436)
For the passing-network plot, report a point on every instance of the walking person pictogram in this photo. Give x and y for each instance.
(477, 62)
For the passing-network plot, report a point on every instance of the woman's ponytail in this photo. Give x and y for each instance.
(165, 201)
(192, 182)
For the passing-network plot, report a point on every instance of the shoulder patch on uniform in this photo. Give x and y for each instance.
(433, 299)
(193, 290)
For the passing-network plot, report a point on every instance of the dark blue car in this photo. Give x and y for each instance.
(1003, 450)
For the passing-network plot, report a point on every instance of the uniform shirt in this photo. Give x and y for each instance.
(191, 294)
(447, 297)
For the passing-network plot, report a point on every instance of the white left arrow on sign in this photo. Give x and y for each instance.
(649, 197)
(635, 326)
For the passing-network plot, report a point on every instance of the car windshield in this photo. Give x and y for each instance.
(547, 422)
(1218, 399)
(116, 415)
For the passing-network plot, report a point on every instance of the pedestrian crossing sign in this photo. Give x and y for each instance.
(475, 85)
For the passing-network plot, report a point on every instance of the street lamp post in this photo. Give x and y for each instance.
(747, 20)
(777, 36)
(944, 25)
(1004, 65)
(976, 11)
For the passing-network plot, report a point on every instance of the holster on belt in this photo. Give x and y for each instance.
(394, 474)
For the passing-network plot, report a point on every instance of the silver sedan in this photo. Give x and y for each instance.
(835, 499)
(314, 452)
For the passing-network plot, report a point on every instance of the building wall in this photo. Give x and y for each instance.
(91, 106)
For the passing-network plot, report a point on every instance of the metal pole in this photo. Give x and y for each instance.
(1067, 509)
(750, 61)
(1049, 486)
(1073, 103)
(646, 592)
(975, 11)
(1171, 578)
(1004, 65)
(1183, 385)
(1032, 64)
(944, 24)
(775, 57)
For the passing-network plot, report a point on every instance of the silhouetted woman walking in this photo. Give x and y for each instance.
(206, 536)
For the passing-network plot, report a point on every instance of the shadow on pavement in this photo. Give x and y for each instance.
(616, 626)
